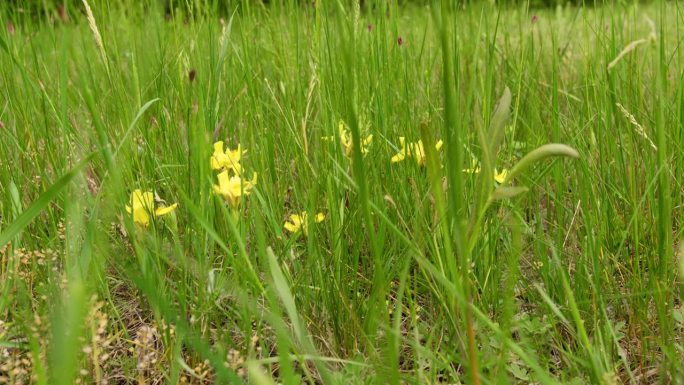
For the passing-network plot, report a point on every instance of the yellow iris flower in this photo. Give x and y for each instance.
(228, 159)
(499, 177)
(232, 188)
(346, 140)
(142, 208)
(414, 150)
(299, 222)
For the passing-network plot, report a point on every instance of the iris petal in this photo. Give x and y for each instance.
(165, 210)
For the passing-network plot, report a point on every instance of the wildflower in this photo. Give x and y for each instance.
(413, 150)
(347, 143)
(299, 222)
(142, 207)
(228, 159)
(402, 153)
(500, 177)
(232, 188)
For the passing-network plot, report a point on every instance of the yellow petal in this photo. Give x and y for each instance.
(223, 187)
(234, 187)
(136, 199)
(147, 200)
(402, 153)
(340, 128)
(234, 155)
(291, 227)
(438, 145)
(217, 157)
(418, 152)
(297, 219)
(500, 177)
(320, 217)
(345, 138)
(144, 200)
(141, 217)
(165, 210)
(223, 180)
(237, 168)
(128, 209)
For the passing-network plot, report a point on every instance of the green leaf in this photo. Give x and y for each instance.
(539, 154)
(67, 328)
(504, 192)
(283, 291)
(39, 204)
(133, 123)
(502, 113)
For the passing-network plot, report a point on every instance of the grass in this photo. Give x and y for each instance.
(565, 269)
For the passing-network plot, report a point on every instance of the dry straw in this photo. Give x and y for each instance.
(638, 127)
(96, 33)
(633, 45)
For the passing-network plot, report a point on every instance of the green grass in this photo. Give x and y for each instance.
(567, 271)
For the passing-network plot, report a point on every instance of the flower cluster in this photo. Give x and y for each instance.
(228, 159)
(499, 177)
(416, 150)
(232, 185)
(413, 150)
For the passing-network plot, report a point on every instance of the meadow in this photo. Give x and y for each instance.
(327, 193)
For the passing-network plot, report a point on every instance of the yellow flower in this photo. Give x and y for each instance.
(143, 207)
(500, 177)
(347, 143)
(402, 153)
(414, 150)
(228, 159)
(232, 188)
(298, 222)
